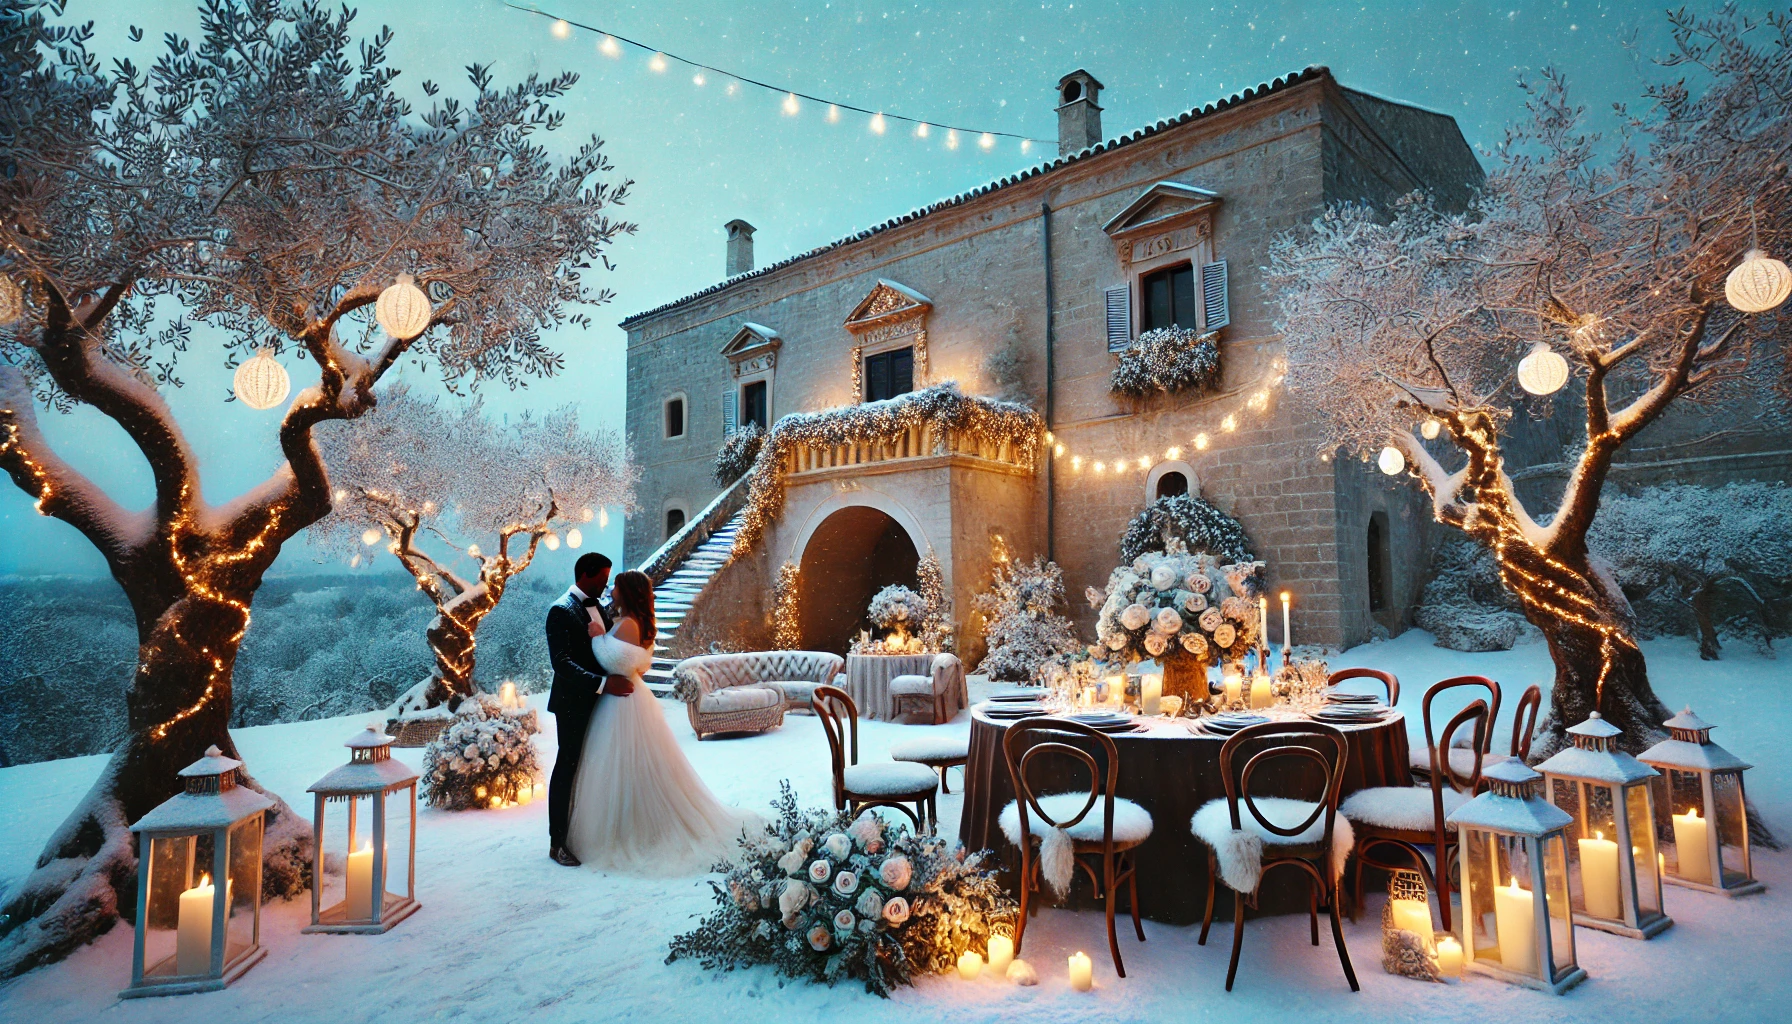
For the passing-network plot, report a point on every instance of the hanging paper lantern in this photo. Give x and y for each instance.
(1391, 461)
(12, 300)
(1430, 429)
(403, 309)
(1543, 372)
(552, 540)
(574, 538)
(370, 536)
(261, 382)
(1758, 284)
(473, 550)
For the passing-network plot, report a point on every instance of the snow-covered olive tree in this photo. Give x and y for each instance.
(266, 181)
(1610, 253)
(486, 490)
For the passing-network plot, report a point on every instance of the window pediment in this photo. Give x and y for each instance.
(887, 303)
(1167, 217)
(753, 348)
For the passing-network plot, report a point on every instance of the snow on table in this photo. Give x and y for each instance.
(506, 935)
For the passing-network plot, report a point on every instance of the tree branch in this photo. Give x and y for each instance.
(58, 489)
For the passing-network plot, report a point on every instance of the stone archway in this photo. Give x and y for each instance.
(849, 556)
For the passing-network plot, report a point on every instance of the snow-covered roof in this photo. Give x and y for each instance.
(1671, 753)
(198, 812)
(1613, 766)
(1687, 720)
(1311, 73)
(1532, 816)
(364, 777)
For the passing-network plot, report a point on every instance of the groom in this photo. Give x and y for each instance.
(578, 682)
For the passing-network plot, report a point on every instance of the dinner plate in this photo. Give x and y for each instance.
(1015, 698)
(1100, 719)
(1346, 697)
(1006, 716)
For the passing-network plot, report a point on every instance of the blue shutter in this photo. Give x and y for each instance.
(1216, 311)
(1119, 318)
(730, 412)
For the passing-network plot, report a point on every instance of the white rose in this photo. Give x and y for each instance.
(896, 910)
(820, 939)
(895, 874)
(1168, 621)
(1140, 565)
(1155, 644)
(1196, 603)
(792, 863)
(795, 897)
(1116, 641)
(839, 846)
(1163, 578)
(870, 904)
(867, 829)
(820, 870)
(1135, 616)
(1224, 635)
(1200, 584)
(1195, 644)
(471, 753)
(844, 920)
(846, 883)
(1210, 620)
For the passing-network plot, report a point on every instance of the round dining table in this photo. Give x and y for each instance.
(1170, 768)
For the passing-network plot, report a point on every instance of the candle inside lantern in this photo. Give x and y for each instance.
(1286, 642)
(1115, 690)
(970, 964)
(1151, 693)
(1599, 877)
(360, 883)
(540, 790)
(193, 948)
(1449, 956)
(525, 795)
(1082, 972)
(1690, 836)
(1413, 916)
(1234, 679)
(1260, 697)
(1516, 924)
(1001, 954)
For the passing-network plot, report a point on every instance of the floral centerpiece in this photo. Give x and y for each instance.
(1185, 610)
(483, 758)
(901, 613)
(823, 896)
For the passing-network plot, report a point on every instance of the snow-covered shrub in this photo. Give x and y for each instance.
(823, 896)
(1168, 360)
(1702, 559)
(1021, 622)
(900, 612)
(1465, 606)
(1185, 517)
(938, 630)
(483, 757)
(738, 452)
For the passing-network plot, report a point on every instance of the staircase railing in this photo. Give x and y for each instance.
(666, 559)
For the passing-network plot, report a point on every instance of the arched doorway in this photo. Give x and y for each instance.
(853, 553)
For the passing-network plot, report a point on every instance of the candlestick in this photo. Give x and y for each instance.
(1287, 642)
(1691, 834)
(359, 905)
(193, 949)
(1599, 877)
(1516, 924)
(1263, 623)
(970, 964)
(1082, 972)
(1001, 954)
(1151, 693)
(1449, 957)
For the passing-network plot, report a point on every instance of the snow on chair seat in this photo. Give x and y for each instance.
(1408, 808)
(1132, 823)
(908, 686)
(1240, 854)
(892, 778)
(934, 748)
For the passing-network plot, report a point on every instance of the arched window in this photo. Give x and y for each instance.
(1171, 483)
(1170, 478)
(674, 521)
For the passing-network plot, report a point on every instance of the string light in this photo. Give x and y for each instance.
(951, 138)
(1229, 424)
(921, 130)
(562, 29)
(697, 79)
(877, 124)
(986, 141)
(657, 62)
(609, 47)
(833, 113)
(791, 107)
(1200, 442)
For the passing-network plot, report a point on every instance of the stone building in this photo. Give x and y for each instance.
(1028, 285)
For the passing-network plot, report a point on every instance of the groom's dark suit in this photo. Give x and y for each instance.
(578, 679)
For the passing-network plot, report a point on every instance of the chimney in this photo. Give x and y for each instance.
(740, 246)
(1079, 118)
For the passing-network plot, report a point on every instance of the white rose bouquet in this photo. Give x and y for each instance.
(1177, 604)
(483, 758)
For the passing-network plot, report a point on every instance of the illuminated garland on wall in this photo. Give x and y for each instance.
(787, 631)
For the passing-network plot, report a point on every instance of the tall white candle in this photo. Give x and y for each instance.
(1082, 972)
(1260, 697)
(193, 948)
(360, 883)
(1286, 641)
(1151, 696)
(1515, 922)
(1001, 954)
(1690, 838)
(1263, 623)
(1599, 877)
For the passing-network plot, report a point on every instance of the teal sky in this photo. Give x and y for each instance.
(700, 157)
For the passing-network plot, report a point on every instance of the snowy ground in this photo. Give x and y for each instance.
(506, 935)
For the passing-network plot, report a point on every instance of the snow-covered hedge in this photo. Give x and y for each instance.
(483, 758)
(1168, 360)
(1465, 606)
(737, 453)
(1199, 525)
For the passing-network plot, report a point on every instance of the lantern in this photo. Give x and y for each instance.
(1759, 283)
(1517, 923)
(206, 838)
(12, 300)
(1607, 793)
(1406, 935)
(574, 538)
(369, 905)
(261, 382)
(1543, 371)
(1701, 814)
(403, 309)
(1430, 429)
(1391, 461)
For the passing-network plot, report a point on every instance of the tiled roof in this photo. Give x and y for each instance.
(1310, 74)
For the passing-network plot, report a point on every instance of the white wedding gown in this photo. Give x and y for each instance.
(638, 805)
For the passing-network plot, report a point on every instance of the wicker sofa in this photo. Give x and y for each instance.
(749, 692)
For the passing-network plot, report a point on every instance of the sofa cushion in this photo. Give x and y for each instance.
(739, 698)
(796, 691)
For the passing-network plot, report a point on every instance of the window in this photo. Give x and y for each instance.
(889, 374)
(674, 424)
(752, 404)
(674, 521)
(1171, 484)
(1167, 298)
(1378, 561)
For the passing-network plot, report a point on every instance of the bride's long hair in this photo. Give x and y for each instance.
(633, 593)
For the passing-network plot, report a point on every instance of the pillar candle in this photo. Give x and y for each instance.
(1234, 684)
(1001, 954)
(525, 795)
(193, 949)
(1082, 972)
(1413, 916)
(1515, 922)
(1115, 693)
(1286, 642)
(1260, 697)
(1449, 957)
(360, 883)
(1151, 693)
(1690, 839)
(970, 964)
(1599, 877)
(507, 695)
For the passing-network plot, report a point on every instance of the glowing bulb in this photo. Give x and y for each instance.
(473, 550)
(951, 138)
(1076, 462)
(341, 494)
(1230, 423)
(1200, 442)
(1058, 451)
(1542, 372)
(697, 79)
(609, 47)
(877, 124)
(1391, 461)
(370, 536)
(1099, 467)
(733, 87)
(585, 514)
(1429, 429)
(562, 29)
(552, 540)
(1144, 462)
(429, 508)
(986, 140)
(922, 129)
(574, 538)
(1759, 283)
(790, 104)
(603, 519)
(355, 562)
(1173, 454)
(1026, 145)
(833, 113)
(657, 62)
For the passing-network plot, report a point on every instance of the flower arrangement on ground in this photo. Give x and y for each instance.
(483, 758)
(1166, 361)
(1022, 626)
(1185, 610)
(738, 452)
(823, 896)
(900, 613)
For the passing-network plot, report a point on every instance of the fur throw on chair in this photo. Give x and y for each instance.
(1240, 853)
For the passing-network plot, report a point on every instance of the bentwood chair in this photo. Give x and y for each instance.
(1387, 679)
(1409, 817)
(1524, 721)
(1460, 757)
(860, 786)
(1248, 835)
(1105, 840)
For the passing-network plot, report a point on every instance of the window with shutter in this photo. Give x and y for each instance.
(753, 405)
(1119, 317)
(730, 412)
(1217, 310)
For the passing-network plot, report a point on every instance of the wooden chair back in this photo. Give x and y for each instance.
(1524, 721)
(1387, 679)
(1314, 742)
(1493, 705)
(1030, 738)
(839, 718)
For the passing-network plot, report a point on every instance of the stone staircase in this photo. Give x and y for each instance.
(673, 597)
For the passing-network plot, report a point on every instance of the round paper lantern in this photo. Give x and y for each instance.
(261, 382)
(12, 300)
(552, 540)
(1759, 284)
(403, 309)
(1391, 461)
(1430, 429)
(370, 536)
(574, 538)
(1543, 372)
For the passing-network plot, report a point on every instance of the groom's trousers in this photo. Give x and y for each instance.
(571, 728)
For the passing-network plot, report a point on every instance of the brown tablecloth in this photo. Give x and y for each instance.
(1171, 773)
(868, 682)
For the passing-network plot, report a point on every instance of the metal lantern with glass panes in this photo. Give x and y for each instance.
(1517, 923)
(370, 776)
(1701, 813)
(1607, 793)
(189, 940)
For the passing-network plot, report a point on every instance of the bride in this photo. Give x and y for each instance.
(638, 805)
